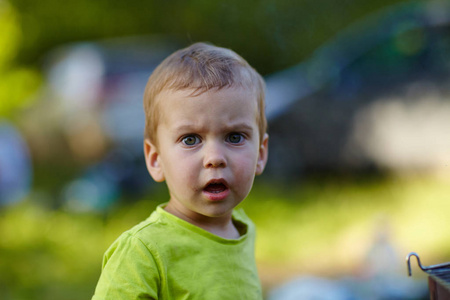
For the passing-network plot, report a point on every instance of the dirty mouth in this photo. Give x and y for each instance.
(215, 188)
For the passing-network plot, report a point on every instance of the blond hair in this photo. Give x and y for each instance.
(201, 67)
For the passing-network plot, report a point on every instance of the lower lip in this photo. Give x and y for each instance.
(217, 196)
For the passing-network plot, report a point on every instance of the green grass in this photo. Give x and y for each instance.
(329, 227)
(324, 227)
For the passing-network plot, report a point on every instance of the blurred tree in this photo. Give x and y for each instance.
(9, 35)
(271, 34)
(17, 83)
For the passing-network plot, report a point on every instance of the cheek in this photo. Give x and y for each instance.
(245, 167)
(181, 167)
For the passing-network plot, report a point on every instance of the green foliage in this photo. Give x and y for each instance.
(16, 89)
(9, 35)
(18, 83)
(271, 34)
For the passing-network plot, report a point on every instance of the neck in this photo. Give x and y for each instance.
(220, 226)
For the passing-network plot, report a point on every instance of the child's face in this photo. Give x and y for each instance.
(208, 150)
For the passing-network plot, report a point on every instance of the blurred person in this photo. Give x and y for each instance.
(15, 165)
(206, 138)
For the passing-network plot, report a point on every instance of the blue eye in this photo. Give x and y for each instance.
(235, 138)
(190, 140)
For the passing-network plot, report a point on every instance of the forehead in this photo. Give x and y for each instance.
(214, 106)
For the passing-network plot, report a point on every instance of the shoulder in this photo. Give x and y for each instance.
(143, 234)
(131, 265)
(131, 244)
(129, 269)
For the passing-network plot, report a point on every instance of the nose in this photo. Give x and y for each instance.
(214, 155)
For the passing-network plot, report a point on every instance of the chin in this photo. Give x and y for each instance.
(217, 212)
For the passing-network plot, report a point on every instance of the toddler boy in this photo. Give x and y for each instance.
(205, 136)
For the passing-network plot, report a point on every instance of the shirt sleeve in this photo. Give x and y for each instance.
(129, 272)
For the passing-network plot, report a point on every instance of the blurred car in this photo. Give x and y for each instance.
(376, 97)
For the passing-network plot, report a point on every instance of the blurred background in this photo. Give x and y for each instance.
(358, 103)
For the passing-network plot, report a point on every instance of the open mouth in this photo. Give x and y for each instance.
(215, 188)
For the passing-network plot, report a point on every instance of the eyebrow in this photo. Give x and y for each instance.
(233, 127)
(239, 126)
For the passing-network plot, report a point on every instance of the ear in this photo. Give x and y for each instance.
(262, 155)
(152, 160)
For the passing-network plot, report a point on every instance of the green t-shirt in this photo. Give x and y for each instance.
(165, 257)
